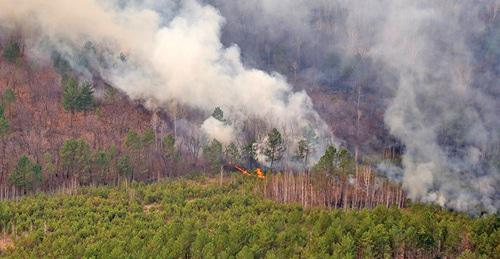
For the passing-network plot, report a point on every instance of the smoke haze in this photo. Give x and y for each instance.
(182, 60)
(446, 116)
(443, 106)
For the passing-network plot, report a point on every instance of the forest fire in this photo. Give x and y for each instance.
(258, 172)
(223, 128)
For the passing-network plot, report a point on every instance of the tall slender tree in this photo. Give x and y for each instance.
(4, 130)
(232, 153)
(124, 167)
(275, 147)
(303, 150)
(213, 155)
(169, 153)
(75, 158)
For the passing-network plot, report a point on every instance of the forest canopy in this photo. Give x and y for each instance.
(201, 219)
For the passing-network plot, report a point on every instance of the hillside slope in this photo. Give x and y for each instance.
(38, 124)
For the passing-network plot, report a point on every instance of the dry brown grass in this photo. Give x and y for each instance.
(151, 207)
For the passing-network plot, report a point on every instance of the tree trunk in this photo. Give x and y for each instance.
(221, 175)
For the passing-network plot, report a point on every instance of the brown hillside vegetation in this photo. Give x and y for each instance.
(39, 128)
(39, 125)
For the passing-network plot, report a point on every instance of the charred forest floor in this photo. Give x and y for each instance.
(204, 218)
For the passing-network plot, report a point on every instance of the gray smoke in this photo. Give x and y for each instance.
(447, 122)
(163, 56)
(426, 44)
(443, 104)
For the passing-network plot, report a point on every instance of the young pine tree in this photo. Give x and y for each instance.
(169, 152)
(77, 97)
(8, 98)
(124, 167)
(275, 147)
(26, 174)
(303, 150)
(232, 153)
(212, 153)
(75, 158)
(335, 162)
(12, 51)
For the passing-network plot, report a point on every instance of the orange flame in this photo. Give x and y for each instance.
(258, 172)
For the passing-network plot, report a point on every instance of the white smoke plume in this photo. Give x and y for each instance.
(160, 57)
(448, 123)
(444, 108)
(219, 130)
(446, 117)
(426, 44)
